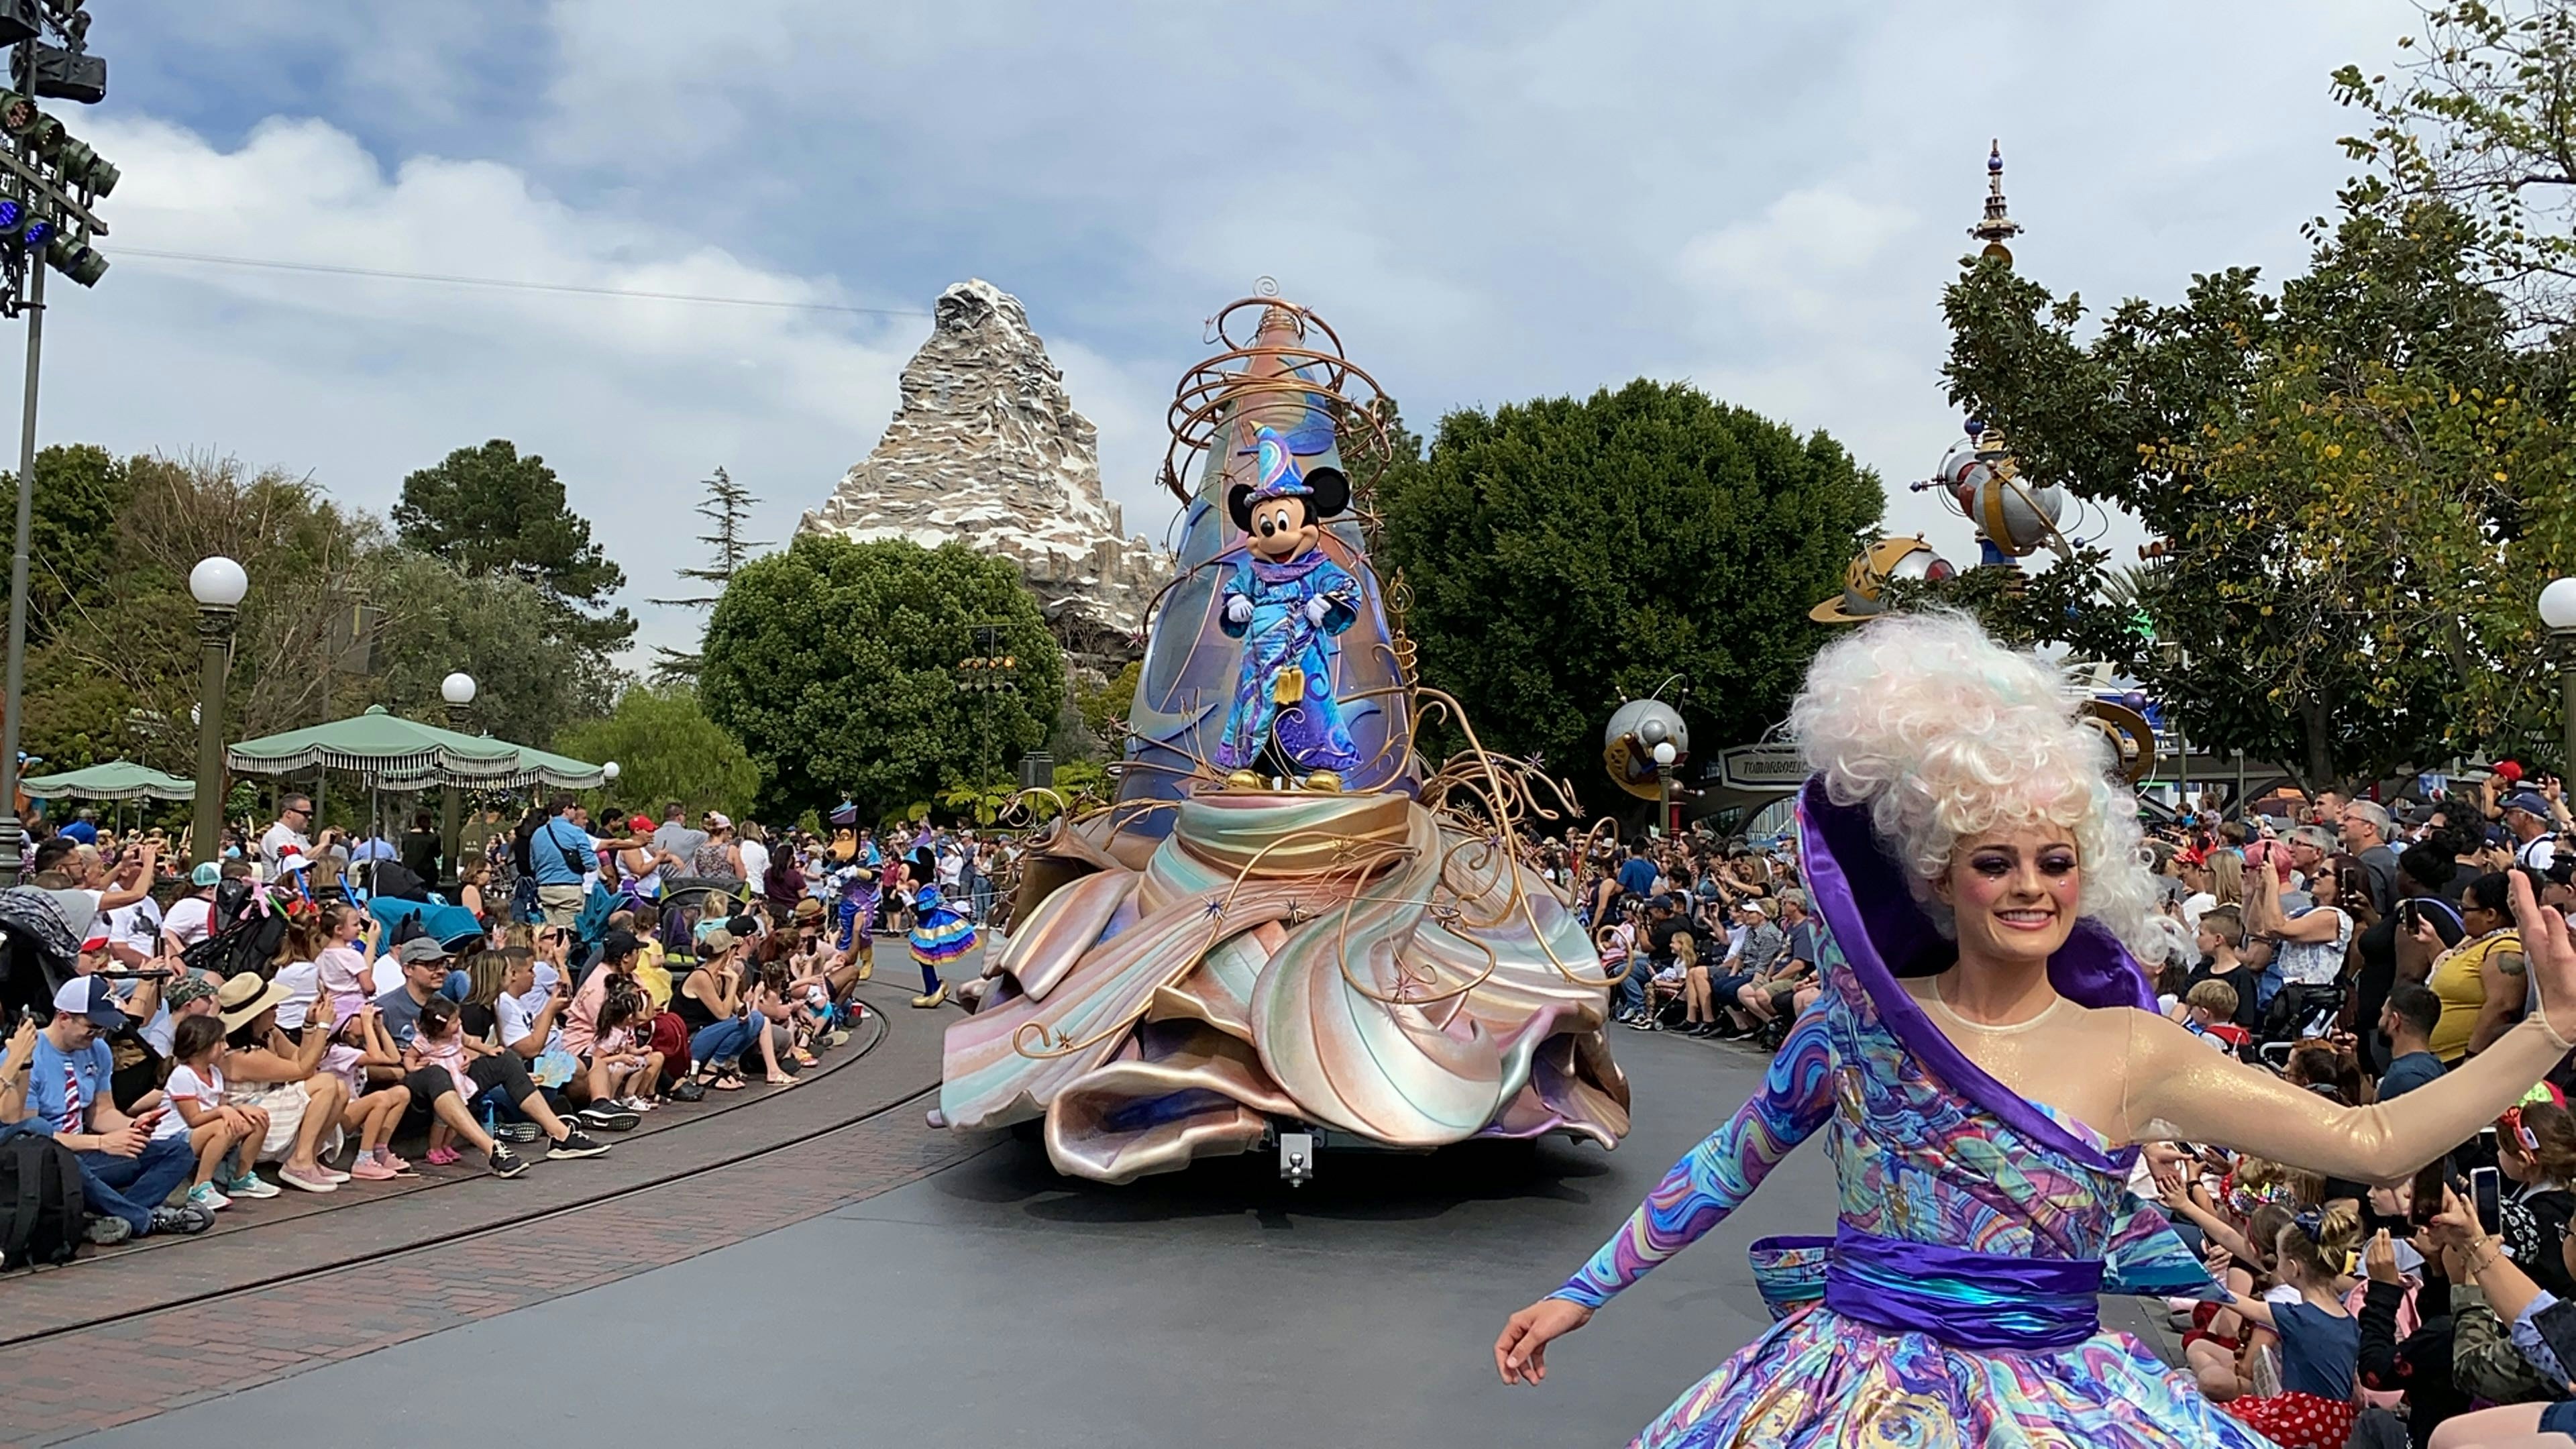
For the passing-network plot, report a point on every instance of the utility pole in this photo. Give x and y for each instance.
(53, 181)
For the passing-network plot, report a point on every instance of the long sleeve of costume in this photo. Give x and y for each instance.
(1720, 1173)
(1238, 585)
(2179, 1088)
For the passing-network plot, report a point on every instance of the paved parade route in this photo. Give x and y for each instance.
(992, 1303)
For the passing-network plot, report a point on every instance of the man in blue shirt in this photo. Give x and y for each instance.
(561, 853)
(124, 1172)
(1637, 877)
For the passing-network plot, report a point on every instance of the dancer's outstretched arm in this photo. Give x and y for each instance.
(1712, 1181)
(2179, 1088)
(1719, 1174)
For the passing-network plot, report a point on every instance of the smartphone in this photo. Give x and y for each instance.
(2426, 1203)
(2483, 1193)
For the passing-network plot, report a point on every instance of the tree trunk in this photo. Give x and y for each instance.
(2320, 772)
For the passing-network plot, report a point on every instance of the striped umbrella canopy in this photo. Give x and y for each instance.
(115, 780)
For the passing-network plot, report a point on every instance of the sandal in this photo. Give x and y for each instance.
(781, 1081)
(805, 1058)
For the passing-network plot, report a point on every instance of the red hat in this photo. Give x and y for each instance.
(639, 825)
(2509, 771)
(97, 939)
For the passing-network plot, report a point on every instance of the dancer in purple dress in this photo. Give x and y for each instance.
(1983, 1064)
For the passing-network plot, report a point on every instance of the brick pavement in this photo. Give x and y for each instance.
(260, 1242)
(51, 1387)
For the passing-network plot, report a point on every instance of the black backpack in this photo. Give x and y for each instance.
(43, 1216)
(248, 943)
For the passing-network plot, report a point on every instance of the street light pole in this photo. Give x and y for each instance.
(2558, 611)
(458, 690)
(218, 585)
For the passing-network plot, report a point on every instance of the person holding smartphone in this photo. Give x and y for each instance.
(124, 1172)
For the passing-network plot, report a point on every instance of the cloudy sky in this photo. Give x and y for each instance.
(1490, 201)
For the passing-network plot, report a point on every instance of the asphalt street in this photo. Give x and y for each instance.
(996, 1304)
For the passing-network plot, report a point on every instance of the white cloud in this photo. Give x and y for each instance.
(361, 380)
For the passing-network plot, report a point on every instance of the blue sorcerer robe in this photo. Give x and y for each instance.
(1310, 731)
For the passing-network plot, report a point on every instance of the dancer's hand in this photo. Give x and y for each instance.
(1520, 1355)
(2551, 955)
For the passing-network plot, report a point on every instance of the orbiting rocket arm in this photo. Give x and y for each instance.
(1718, 1175)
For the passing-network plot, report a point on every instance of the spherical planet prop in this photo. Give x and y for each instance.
(2013, 515)
(1645, 737)
(1865, 582)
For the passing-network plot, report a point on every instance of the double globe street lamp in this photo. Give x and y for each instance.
(218, 584)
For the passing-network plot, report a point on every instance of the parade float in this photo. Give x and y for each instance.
(1287, 931)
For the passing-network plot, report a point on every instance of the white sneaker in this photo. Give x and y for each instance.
(205, 1196)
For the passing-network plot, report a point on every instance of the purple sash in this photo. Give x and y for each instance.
(1964, 1299)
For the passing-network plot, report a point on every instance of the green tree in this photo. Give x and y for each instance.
(488, 510)
(2357, 487)
(727, 510)
(835, 664)
(2481, 120)
(667, 749)
(80, 489)
(1559, 552)
(121, 672)
(534, 677)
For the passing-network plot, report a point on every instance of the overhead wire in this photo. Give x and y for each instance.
(511, 284)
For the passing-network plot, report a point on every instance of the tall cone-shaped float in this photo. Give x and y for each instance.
(1284, 921)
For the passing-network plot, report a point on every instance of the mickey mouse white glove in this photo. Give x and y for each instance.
(1238, 610)
(1316, 608)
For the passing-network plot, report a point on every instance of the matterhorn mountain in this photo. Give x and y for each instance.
(986, 448)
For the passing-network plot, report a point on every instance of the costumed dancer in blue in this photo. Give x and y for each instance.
(940, 933)
(1983, 1067)
(1286, 601)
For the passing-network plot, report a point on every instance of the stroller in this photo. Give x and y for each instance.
(2297, 1013)
(37, 953)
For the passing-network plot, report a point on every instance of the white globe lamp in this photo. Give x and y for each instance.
(218, 583)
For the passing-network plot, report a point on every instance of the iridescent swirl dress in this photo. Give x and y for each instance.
(1975, 1228)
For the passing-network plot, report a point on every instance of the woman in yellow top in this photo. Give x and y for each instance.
(2481, 980)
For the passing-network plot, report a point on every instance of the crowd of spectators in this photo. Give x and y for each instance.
(576, 981)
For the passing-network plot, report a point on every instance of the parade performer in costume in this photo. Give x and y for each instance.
(1983, 1063)
(1286, 601)
(940, 933)
(854, 877)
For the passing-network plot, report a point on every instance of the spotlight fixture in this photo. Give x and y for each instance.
(75, 260)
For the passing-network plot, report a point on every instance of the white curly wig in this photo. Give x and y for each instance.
(1944, 734)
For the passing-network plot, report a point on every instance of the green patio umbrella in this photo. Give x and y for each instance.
(115, 780)
(383, 747)
(402, 754)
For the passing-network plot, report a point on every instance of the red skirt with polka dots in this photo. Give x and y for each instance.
(2295, 1420)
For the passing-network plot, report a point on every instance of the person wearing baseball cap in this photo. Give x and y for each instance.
(2528, 816)
(124, 1172)
(434, 1090)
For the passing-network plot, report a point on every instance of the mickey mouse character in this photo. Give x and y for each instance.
(1286, 601)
